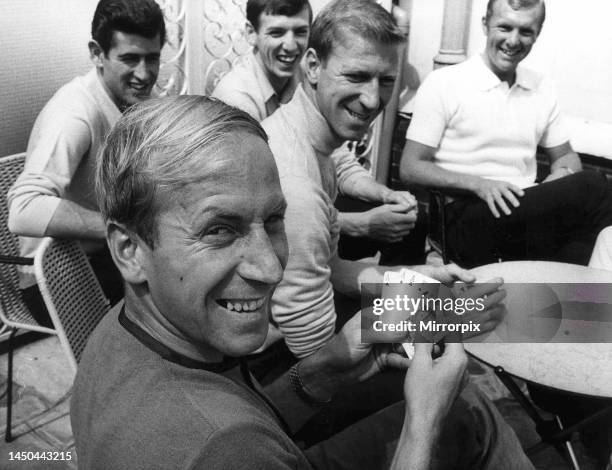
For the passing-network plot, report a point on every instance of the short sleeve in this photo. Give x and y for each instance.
(430, 115)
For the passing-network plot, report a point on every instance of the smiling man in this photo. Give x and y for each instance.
(54, 194)
(475, 131)
(264, 79)
(194, 214)
(351, 67)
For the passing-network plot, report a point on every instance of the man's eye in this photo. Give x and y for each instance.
(276, 33)
(275, 219)
(219, 231)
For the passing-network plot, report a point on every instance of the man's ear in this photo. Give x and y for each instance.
(251, 34)
(95, 53)
(313, 66)
(485, 27)
(127, 250)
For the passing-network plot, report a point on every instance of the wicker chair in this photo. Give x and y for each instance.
(14, 313)
(72, 293)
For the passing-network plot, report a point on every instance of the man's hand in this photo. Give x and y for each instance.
(432, 385)
(351, 361)
(401, 197)
(447, 274)
(389, 222)
(497, 194)
(430, 389)
(492, 296)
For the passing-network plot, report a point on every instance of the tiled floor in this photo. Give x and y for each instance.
(42, 396)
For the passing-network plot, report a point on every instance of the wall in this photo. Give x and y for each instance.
(44, 45)
(575, 49)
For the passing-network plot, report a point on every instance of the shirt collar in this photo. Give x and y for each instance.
(487, 80)
(170, 355)
(315, 126)
(107, 105)
(262, 80)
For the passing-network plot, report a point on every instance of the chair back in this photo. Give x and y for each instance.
(13, 311)
(71, 291)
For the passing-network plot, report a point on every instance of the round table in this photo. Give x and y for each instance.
(580, 367)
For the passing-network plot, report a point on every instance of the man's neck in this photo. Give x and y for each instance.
(141, 310)
(278, 83)
(312, 96)
(120, 106)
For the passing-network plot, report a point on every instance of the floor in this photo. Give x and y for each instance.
(42, 398)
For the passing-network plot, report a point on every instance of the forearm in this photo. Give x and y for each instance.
(569, 160)
(347, 276)
(414, 448)
(71, 220)
(368, 189)
(320, 382)
(427, 173)
(352, 224)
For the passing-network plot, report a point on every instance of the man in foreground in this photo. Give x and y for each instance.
(54, 194)
(474, 133)
(194, 214)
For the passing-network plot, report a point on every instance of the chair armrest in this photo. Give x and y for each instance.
(6, 259)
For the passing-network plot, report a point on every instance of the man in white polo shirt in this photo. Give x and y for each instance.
(475, 131)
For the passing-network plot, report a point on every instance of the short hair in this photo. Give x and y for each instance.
(518, 5)
(255, 8)
(158, 147)
(142, 17)
(363, 18)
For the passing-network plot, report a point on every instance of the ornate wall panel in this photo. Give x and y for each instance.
(172, 78)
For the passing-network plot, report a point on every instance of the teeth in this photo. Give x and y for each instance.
(358, 116)
(286, 59)
(242, 306)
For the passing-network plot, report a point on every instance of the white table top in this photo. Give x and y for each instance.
(584, 368)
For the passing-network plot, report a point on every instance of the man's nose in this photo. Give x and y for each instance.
(260, 261)
(370, 94)
(289, 42)
(142, 70)
(513, 38)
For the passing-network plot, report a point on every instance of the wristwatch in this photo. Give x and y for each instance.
(300, 390)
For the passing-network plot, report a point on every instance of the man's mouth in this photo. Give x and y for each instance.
(287, 59)
(241, 305)
(359, 116)
(139, 87)
(511, 53)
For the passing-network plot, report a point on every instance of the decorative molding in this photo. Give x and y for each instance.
(455, 29)
(173, 78)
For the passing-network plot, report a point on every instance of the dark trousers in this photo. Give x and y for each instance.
(556, 221)
(409, 251)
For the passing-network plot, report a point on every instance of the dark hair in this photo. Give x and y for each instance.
(142, 17)
(255, 8)
(364, 18)
(156, 148)
(518, 5)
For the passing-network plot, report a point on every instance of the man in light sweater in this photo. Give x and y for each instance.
(54, 194)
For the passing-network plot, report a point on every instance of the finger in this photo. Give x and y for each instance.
(516, 190)
(501, 202)
(397, 208)
(509, 195)
(422, 353)
(491, 203)
(460, 274)
(397, 361)
(483, 288)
